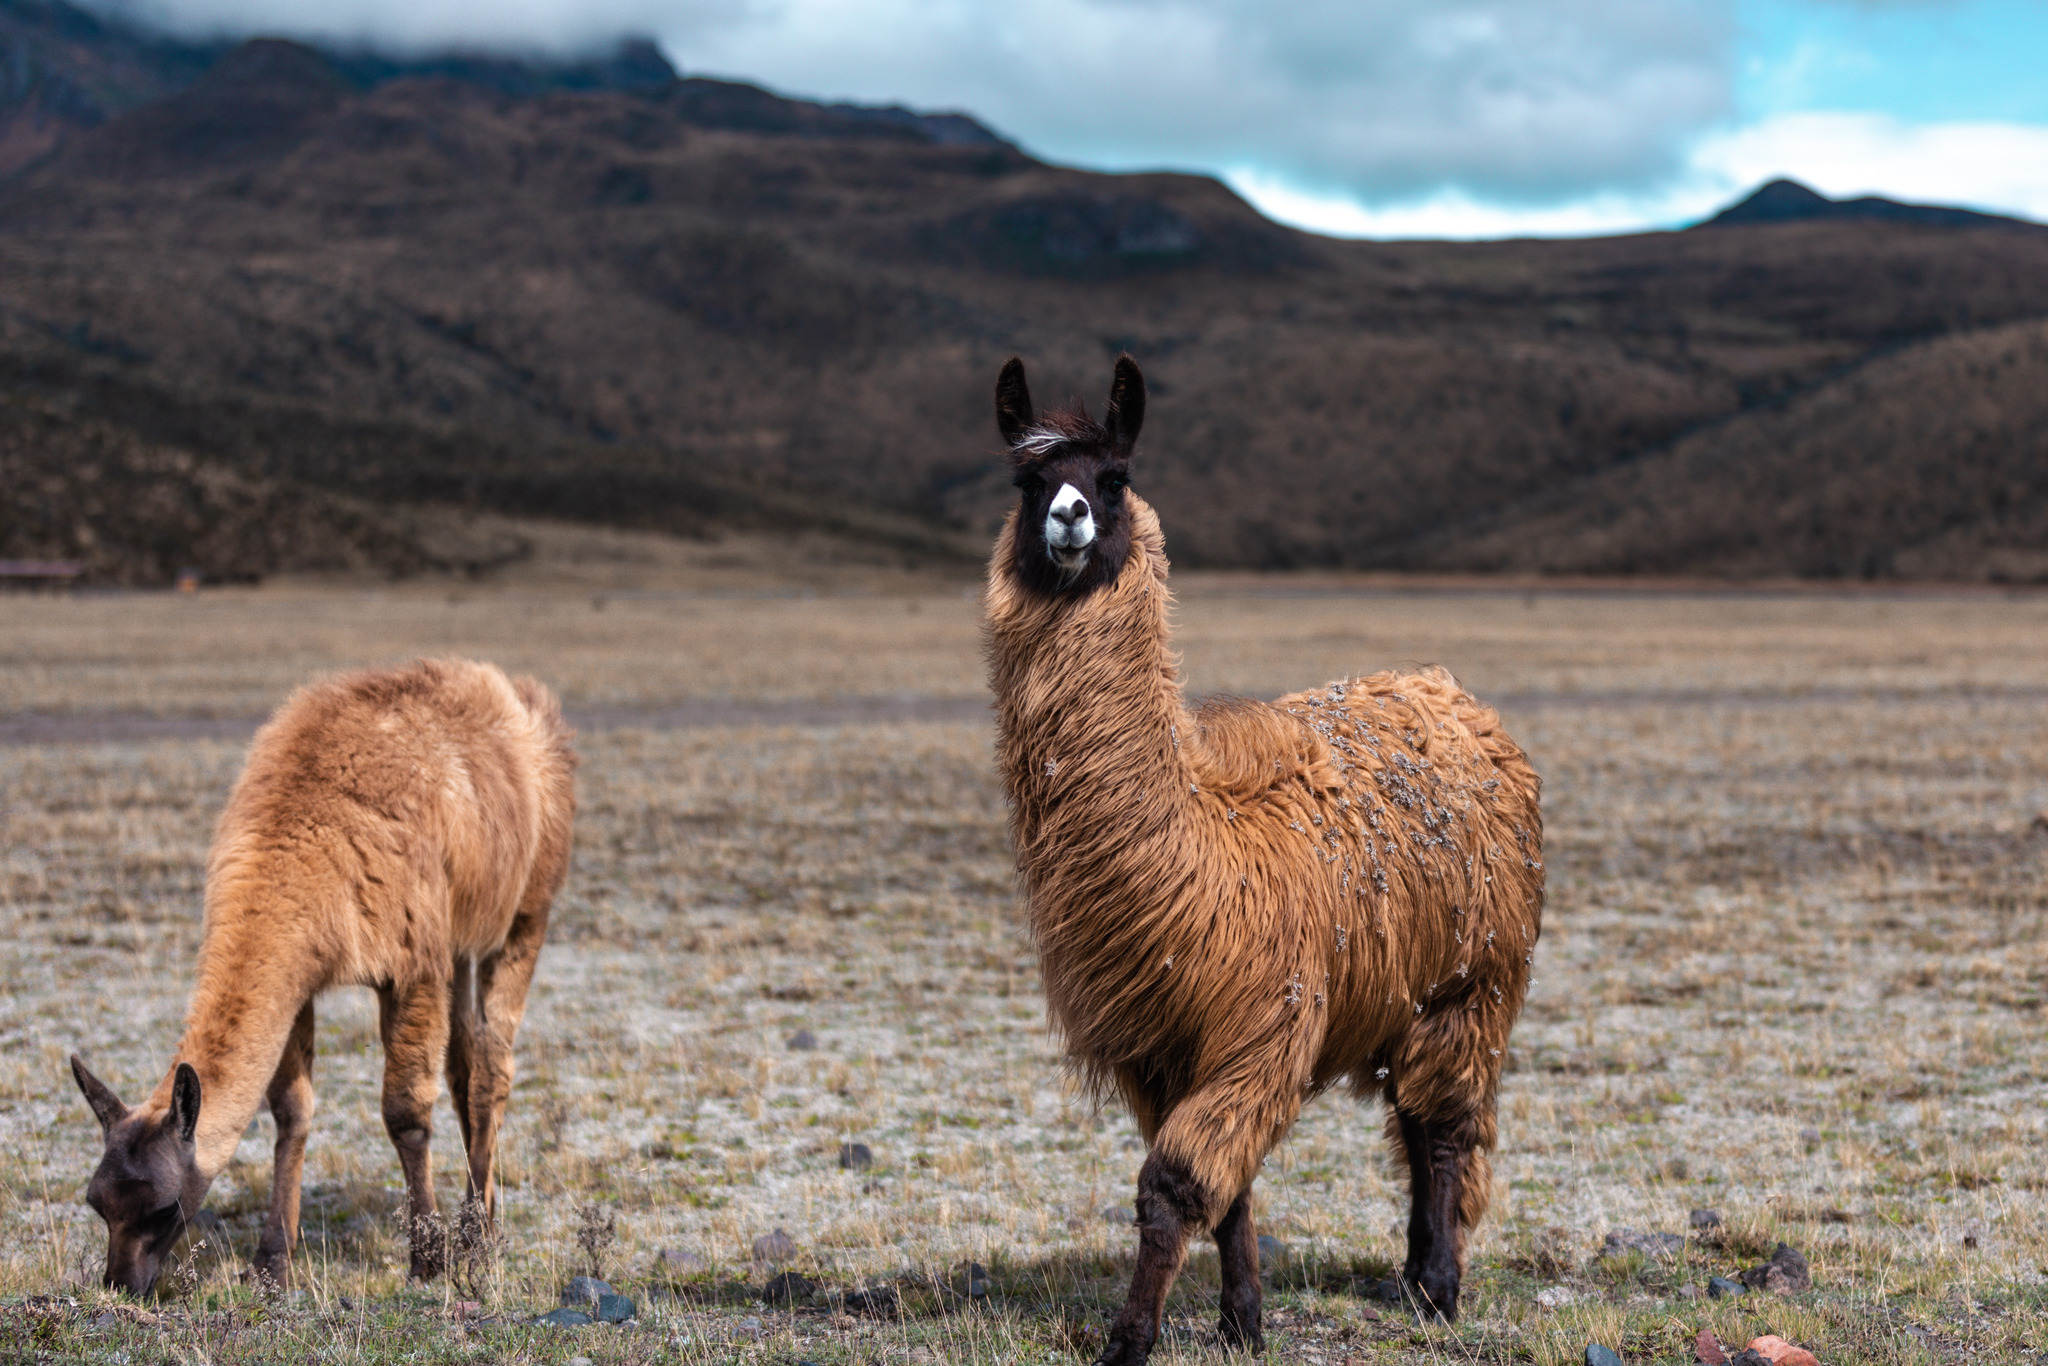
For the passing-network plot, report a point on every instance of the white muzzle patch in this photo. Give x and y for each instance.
(1069, 529)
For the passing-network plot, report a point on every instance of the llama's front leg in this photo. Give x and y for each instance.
(1237, 1244)
(414, 1020)
(1439, 1162)
(291, 1106)
(1172, 1206)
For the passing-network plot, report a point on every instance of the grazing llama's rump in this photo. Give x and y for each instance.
(404, 830)
(1240, 904)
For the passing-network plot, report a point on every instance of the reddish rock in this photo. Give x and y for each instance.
(1779, 1352)
(1707, 1349)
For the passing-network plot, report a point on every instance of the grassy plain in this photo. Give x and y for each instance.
(1793, 969)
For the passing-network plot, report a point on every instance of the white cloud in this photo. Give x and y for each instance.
(1522, 100)
(1996, 167)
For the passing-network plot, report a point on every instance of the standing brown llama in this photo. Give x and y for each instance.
(404, 830)
(1239, 904)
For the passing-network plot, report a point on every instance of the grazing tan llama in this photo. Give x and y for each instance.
(1238, 905)
(404, 830)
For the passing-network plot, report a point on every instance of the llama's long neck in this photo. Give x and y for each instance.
(1094, 736)
(255, 973)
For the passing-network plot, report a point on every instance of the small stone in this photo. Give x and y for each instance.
(1784, 1274)
(616, 1309)
(803, 1041)
(1118, 1214)
(971, 1281)
(775, 1248)
(565, 1318)
(1272, 1252)
(1689, 1291)
(1555, 1296)
(585, 1290)
(1369, 1314)
(1706, 1218)
(1749, 1357)
(1597, 1355)
(856, 1157)
(1649, 1244)
(579, 1361)
(750, 1327)
(1707, 1349)
(1809, 1138)
(1720, 1287)
(791, 1287)
(1388, 1291)
(1779, 1352)
(876, 1302)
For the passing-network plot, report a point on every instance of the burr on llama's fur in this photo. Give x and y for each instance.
(404, 830)
(1241, 904)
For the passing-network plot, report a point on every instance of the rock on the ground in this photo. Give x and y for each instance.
(1720, 1287)
(803, 1041)
(1749, 1356)
(1785, 1273)
(876, 1302)
(1555, 1296)
(616, 1309)
(1707, 1349)
(971, 1280)
(1779, 1352)
(1649, 1244)
(564, 1318)
(1706, 1218)
(1689, 1291)
(1272, 1252)
(585, 1290)
(791, 1287)
(856, 1157)
(1597, 1355)
(775, 1248)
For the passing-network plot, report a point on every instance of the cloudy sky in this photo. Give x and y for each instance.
(1369, 117)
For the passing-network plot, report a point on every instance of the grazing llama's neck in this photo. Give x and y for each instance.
(1095, 740)
(255, 970)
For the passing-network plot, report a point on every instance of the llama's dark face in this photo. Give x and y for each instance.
(1071, 472)
(147, 1179)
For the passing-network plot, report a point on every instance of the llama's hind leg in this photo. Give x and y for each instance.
(414, 1020)
(502, 980)
(1448, 1180)
(291, 1105)
(1237, 1245)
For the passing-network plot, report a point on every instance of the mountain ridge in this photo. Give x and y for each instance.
(702, 304)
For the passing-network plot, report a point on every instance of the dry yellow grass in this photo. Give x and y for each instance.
(1793, 969)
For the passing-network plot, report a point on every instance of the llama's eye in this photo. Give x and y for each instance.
(1113, 484)
(1032, 484)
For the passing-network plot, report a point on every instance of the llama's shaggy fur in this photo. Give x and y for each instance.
(404, 830)
(1238, 905)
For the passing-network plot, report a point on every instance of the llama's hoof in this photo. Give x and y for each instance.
(1435, 1295)
(1124, 1351)
(1241, 1337)
(270, 1273)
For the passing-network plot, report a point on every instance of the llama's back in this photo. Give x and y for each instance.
(371, 798)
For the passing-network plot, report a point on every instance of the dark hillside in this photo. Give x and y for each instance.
(634, 303)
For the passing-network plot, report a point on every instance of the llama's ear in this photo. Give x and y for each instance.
(106, 1106)
(1126, 405)
(184, 1116)
(1013, 401)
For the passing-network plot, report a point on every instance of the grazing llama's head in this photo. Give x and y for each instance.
(148, 1183)
(1073, 525)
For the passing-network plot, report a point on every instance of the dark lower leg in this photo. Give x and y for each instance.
(1237, 1244)
(1170, 1207)
(1438, 1156)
